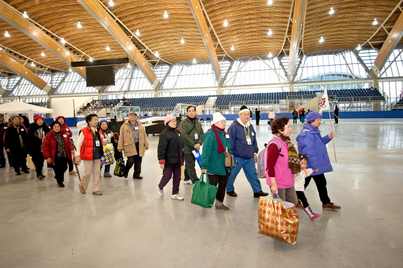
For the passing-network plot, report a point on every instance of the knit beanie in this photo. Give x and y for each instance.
(312, 116)
(243, 109)
(38, 117)
(169, 118)
(218, 117)
(103, 120)
(14, 116)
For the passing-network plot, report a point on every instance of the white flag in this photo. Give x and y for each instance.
(324, 104)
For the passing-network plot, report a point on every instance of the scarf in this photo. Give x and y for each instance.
(221, 148)
(61, 151)
(293, 159)
(192, 118)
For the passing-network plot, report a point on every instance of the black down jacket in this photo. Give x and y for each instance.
(170, 147)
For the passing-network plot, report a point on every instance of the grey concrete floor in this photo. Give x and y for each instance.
(42, 225)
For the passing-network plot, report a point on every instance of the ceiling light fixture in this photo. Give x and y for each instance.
(375, 22)
(79, 25)
(138, 32)
(111, 4)
(270, 55)
(1, 48)
(225, 23)
(91, 59)
(182, 41)
(32, 64)
(70, 70)
(331, 11)
(43, 54)
(270, 2)
(157, 54)
(25, 15)
(166, 14)
(63, 41)
(7, 34)
(269, 32)
(128, 66)
(321, 40)
(359, 47)
(107, 48)
(232, 47)
(194, 61)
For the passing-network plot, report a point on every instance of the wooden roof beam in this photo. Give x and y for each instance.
(389, 45)
(205, 33)
(296, 33)
(108, 22)
(15, 19)
(23, 71)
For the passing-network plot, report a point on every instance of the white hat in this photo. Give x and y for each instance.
(218, 117)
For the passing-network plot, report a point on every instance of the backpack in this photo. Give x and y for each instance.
(262, 160)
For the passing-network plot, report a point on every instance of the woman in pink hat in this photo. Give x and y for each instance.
(170, 157)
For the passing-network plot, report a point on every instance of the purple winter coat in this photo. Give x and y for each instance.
(313, 145)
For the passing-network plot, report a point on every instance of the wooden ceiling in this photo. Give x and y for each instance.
(248, 24)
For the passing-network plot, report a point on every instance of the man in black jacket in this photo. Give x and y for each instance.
(3, 127)
(14, 142)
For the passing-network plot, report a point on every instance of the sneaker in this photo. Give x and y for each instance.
(177, 197)
(311, 215)
(188, 182)
(97, 193)
(223, 207)
(330, 206)
(232, 193)
(25, 171)
(40, 176)
(17, 173)
(61, 184)
(160, 192)
(107, 175)
(72, 172)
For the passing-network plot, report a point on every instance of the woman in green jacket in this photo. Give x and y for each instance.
(215, 143)
(191, 131)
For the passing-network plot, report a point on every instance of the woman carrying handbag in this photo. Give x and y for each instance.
(216, 144)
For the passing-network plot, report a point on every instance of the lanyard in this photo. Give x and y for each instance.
(247, 131)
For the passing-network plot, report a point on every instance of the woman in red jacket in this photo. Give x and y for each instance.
(57, 149)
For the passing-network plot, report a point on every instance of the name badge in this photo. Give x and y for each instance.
(196, 136)
(65, 135)
(253, 133)
(248, 141)
(179, 134)
(22, 129)
(97, 143)
(136, 128)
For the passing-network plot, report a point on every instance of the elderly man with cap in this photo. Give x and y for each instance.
(313, 145)
(170, 156)
(133, 142)
(244, 147)
(15, 141)
(36, 134)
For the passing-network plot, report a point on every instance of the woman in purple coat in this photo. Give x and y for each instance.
(313, 145)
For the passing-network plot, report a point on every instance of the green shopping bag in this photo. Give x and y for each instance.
(204, 193)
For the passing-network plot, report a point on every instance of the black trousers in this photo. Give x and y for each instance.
(60, 168)
(222, 184)
(37, 158)
(19, 158)
(136, 161)
(336, 119)
(257, 120)
(320, 181)
(294, 120)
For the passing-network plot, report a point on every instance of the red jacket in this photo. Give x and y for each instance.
(87, 148)
(49, 146)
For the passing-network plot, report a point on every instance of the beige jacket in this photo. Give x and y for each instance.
(126, 140)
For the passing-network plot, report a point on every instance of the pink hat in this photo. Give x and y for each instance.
(169, 118)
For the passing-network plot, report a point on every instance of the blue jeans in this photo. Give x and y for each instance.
(249, 169)
(107, 168)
